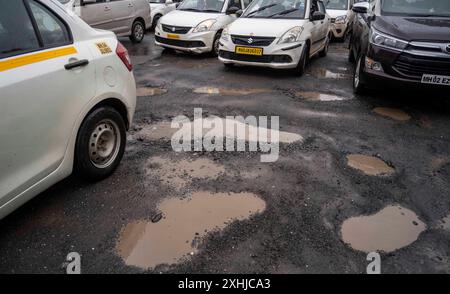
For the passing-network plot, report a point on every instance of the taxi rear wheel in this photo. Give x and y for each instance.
(100, 144)
(137, 32)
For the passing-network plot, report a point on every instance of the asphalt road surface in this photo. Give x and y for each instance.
(356, 174)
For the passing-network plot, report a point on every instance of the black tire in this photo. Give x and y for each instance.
(95, 130)
(155, 21)
(359, 87)
(301, 67)
(324, 51)
(137, 31)
(215, 46)
(351, 57)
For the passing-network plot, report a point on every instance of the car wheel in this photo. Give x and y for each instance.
(324, 51)
(137, 32)
(358, 85)
(155, 21)
(300, 69)
(100, 144)
(216, 45)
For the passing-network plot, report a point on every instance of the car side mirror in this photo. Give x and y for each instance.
(317, 15)
(361, 7)
(232, 10)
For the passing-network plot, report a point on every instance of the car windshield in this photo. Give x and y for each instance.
(336, 4)
(202, 5)
(287, 9)
(416, 7)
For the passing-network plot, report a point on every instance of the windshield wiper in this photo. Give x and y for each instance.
(189, 9)
(283, 12)
(261, 9)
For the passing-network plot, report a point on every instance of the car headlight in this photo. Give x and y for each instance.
(204, 26)
(291, 36)
(225, 34)
(380, 39)
(341, 19)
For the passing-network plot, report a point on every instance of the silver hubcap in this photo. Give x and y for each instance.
(138, 31)
(358, 68)
(104, 144)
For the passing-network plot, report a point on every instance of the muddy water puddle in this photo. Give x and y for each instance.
(229, 92)
(390, 229)
(393, 113)
(323, 73)
(219, 128)
(180, 173)
(316, 96)
(369, 165)
(185, 222)
(150, 91)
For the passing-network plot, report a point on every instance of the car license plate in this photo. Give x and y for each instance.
(436, 80)
(173, 36)
(249, 50)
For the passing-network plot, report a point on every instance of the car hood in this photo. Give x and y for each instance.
(263, 27)
(333, 13)
(414, 28)
(187, 18)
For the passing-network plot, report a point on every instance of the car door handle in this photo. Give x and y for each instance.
(75, 64)
(107, 8)
(130, 5)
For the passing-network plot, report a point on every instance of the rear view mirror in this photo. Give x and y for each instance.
(317, 15)
(361, 7)
(232, 10)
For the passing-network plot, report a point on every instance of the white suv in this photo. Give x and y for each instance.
(277, 34)
(67, 97)
(341, 15)
(196, 25)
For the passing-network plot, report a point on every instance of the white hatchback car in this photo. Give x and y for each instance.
(341, 15)
(196, 25)
(277, 34)
(160, 8)
(67, 97)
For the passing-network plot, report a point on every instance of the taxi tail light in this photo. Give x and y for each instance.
(122, 52)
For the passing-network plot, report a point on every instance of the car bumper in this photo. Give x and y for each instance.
(282, 56)
(401, 69)
(339, 30)
(191, 42)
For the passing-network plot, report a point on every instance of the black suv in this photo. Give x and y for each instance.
(402, 41)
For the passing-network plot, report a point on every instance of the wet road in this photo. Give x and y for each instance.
(360, 174)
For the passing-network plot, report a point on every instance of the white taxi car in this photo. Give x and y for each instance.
(67, 97)
(277, 34)
(341, 15)
(160, 8)
(196, 25)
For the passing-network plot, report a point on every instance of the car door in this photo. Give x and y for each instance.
(324, 24)
(39, 98)
(316, 29)
(97, 13)
(123, 15)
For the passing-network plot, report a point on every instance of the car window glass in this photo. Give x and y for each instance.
(321, 7)
(17, 34)
(52, 29)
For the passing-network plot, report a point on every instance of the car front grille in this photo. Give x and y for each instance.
(253, 58)
(175, 29)
(415, 66)
(252, 41)
(180, 43)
